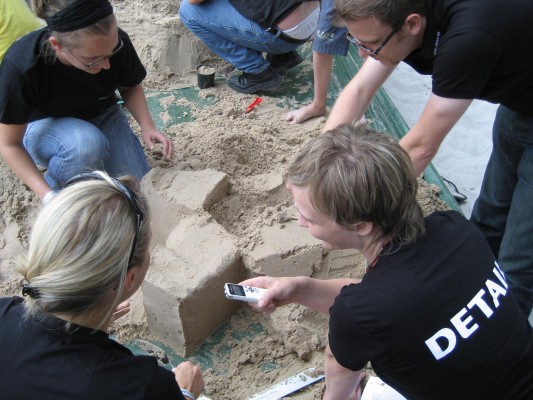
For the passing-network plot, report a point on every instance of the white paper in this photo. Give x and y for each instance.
(376, 389)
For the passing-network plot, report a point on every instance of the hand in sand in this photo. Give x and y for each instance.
(189, 377)
(303, 114)
(152, 136)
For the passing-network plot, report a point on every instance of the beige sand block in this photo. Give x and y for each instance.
(183, 291)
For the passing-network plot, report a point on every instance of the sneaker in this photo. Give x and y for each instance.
(285, 61)
(251, 83)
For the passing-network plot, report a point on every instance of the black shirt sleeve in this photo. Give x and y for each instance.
(163, 386)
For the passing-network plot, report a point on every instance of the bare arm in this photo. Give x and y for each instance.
(18, 159)
(437, 119)
(357, 95)
(135, 101)
(313, 293)
(322, 67)
(341, 383)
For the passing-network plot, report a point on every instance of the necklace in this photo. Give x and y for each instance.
(371, 266)
(375, 261)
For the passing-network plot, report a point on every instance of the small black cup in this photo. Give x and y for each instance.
(206, 76)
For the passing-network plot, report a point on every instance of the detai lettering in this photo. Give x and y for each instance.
(486, 300)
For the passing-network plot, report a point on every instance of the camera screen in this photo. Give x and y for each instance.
(236, 290)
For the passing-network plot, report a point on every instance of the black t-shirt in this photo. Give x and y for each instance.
(39, 360)
(32, 88)
(437, 320)
(479, 49)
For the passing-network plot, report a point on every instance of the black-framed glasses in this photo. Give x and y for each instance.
(128, 193)
(374, 53)
(102, 59)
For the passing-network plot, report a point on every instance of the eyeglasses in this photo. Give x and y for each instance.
(129, 195)
(100, 60)
(373, 53)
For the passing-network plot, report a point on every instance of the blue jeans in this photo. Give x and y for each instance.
(504, 209)
(69, 146)
(231, 36)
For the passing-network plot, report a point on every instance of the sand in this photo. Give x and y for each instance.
(254, 150)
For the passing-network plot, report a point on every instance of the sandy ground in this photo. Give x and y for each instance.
(224, 138)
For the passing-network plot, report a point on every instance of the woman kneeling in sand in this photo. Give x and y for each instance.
(88, 253)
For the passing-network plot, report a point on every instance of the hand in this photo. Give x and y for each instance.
(152, 136)
(189, 377)
(49, 196)
(121, 310)
(303, 114)
(280, 292)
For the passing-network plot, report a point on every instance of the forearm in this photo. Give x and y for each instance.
(341, 383)
(20, 162)
(135, 101)
(350, 106)
(357, 95)
(438, 118)
(322, 67)
(319, 294)
(420, 156)
(18, 159)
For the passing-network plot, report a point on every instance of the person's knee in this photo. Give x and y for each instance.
(185, 12)
(87, 145)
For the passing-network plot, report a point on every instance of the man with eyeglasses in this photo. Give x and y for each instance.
(474, 49)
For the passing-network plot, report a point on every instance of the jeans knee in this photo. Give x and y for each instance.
(184, 12)
(88, 145)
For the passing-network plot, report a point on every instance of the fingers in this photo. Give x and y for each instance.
(121, 310)
(189, 377)
(168, 148)
(156, 136)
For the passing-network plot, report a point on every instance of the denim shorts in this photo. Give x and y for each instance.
(329, 39)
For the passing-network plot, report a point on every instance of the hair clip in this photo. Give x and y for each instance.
(27, 290)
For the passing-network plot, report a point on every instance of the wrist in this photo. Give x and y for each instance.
(48, 196)
(187, 394)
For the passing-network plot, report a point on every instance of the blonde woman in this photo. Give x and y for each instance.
(88, 253)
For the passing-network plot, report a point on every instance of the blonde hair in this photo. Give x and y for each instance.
(355, 174)
(71, 40)
(80, 249)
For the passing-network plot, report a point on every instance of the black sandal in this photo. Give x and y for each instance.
(459, 197)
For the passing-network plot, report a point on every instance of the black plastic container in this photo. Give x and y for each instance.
(206, 76)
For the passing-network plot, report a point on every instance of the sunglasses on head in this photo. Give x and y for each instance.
(128, 193)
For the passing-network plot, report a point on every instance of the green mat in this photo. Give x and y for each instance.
(215, 350)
